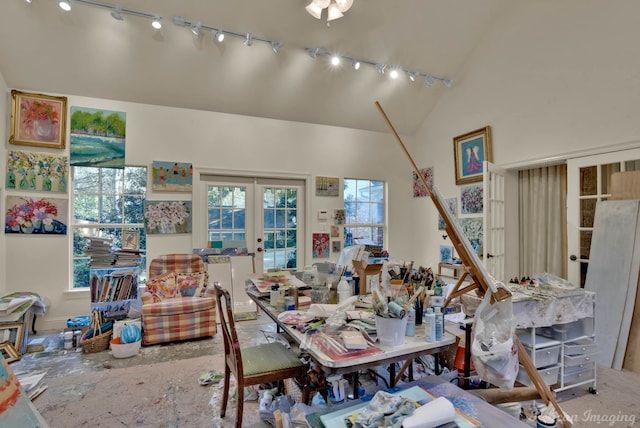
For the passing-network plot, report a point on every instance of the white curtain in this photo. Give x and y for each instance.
(543, 221)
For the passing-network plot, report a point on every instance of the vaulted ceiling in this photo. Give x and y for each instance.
(86, 52)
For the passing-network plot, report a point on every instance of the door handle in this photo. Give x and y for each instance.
(573, 257)
(489, 255)
(259, 249)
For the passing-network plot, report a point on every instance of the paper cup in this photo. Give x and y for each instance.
(391, 331)
(433, 414)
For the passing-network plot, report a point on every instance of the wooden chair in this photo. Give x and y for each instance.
(271, 362)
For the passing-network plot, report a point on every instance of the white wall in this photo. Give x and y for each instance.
(209, 141)
(551, 79)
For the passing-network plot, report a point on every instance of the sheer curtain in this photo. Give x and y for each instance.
(543, 232)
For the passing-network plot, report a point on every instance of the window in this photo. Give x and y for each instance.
(365, 211)
(106, 201)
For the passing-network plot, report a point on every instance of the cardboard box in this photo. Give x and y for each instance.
(369, 275)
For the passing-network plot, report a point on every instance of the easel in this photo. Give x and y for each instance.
(480, 278)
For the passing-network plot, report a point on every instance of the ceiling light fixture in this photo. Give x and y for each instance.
(428, 80)
(394, 73)
(65, 5)
(335, 60)
(381, 68)
(248, 41)
(412, 76)
(195, 29)
(116, 13)
(335, 8)
(219, 35)
(447, 82)
(356, 64)
(156, 22)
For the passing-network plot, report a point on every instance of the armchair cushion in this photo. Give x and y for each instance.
(163, 287)
(192, 283)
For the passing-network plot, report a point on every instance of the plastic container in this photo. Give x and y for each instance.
(124, 350)
(391, 330)
(411, 323)
(344, 290)
(439, 323)
(429, 321)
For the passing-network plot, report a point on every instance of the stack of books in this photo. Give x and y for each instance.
(128, 258)
(100, 251)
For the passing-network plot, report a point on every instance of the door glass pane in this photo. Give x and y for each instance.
(588, 180)
(226, 213)
(587, 212)
(607, 170)
(280, 227)
(633, 165)
(585, 243)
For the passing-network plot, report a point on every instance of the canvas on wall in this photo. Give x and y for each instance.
(164, 217)
(320, 245)
(446, 253)
(471, 199)
(452, 205)
(418, 186)
(472, 228)
(97, 137)
(36, 216)
(42, 172)
(171, 176)
(327, 186)
(339, 215)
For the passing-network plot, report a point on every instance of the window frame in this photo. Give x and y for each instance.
(99, 225)
(349, 241)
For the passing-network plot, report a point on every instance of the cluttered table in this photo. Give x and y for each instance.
(332, 360)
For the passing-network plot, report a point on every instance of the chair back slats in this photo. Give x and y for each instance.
(228, 327)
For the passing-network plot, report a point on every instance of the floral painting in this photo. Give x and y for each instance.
(320, 245)
(162, 217)
(446, 253)
(418, 186)
(36, 216)
(472, 228)
(339, 216)
(97, 137)
(471, 199)
(335, 231)
(37, 171)
(171, 176)
(452, 205)
(336, 246)
(38, 120)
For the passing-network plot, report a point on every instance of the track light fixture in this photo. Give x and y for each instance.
(335, 60)
(195, 29)
(381, 68)
(219, 35)
(117, 12)
(356, 64)
(276, 46)
(394, 73)
(447, 82)
(248, 41)
(412, 76)
(428, 80)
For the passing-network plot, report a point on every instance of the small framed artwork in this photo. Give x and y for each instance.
(339, 216)
(469, 151)
(320, 244)
(12, 333)
(38, 120)
(171, 176)
(336, 246)
(471, 199)
(9, 352)
(335, 231)
(131, 240)
(446, 254)
(327, 186)
(28, 216)
(418, 186)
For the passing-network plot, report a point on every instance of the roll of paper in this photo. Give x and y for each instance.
(434, 413)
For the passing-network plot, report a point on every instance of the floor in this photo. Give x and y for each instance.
(614, 404)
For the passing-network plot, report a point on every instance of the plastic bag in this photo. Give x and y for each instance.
(494, 349)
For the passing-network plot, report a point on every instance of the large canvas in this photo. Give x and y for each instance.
(16, 409)
(97, 137)
(163, 217)
(452, 204)
(42, 172)
(171, 176)
(36, 216)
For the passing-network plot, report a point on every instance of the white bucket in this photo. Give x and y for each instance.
(391, 330)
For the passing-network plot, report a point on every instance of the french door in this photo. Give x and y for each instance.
(265, 213)
(589, 181)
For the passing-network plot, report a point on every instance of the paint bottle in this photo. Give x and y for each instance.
(429, 321)
(439, 324)
(344, 290)
(411, 323)
(68, 339)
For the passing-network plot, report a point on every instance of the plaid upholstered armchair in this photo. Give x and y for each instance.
(178, 304)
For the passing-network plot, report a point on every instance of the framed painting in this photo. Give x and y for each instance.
(419, 190)
(12, 333)
(320, 244)
(472, 228)
(336, 246)
(9, 352)
(327, 186)
(166, 217)
(469, 151)
(98, 137)
(41, 172)
(171, 176)
(38, 120)
(339, 215)
(131, 240)
(36, 216)
(471, 199)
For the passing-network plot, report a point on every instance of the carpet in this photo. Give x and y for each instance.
(165, 394)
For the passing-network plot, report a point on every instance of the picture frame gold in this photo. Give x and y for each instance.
(469, 152)
(38, 120)
(131, 240)
(9, 352)
(13, 333)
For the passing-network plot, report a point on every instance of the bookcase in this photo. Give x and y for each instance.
(113, 289)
